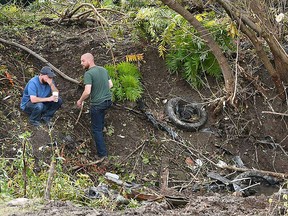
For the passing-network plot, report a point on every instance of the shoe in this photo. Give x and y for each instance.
(47, 121)
(35, 123)
(49, 124)
(104, 158)
(101, 159)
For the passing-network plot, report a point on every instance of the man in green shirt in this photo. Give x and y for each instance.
(97, 86)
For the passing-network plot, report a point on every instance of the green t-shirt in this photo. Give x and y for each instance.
(98, 77)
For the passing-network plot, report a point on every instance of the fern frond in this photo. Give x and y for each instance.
(211, 66)
(127, 68)
(161, 50)
(111, 70)
(129, 81)
(133, 94)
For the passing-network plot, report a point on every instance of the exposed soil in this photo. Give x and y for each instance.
(259, 139)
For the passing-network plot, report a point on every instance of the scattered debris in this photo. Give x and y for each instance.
(98, 192)
(129, 191)
(241, 183)
(238, 161)
(162, 126)
(176, 201)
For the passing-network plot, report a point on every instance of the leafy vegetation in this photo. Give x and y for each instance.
(279, 204)
(150, 22)
(65, 186)
(126, 81)
(187, 53)
(14, 18)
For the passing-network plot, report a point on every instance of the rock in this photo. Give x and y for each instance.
(18, 202)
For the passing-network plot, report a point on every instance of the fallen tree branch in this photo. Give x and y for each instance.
(24, 171)
(278, 175)
(81, 110)
(127, 108)
(69, 15)
(132, 153)
(275, 113)
(164, 176)
(41, 59)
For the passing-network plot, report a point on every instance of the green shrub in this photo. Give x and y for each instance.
(126, 81)
(131, 87)
(129, 81)
(111, 71)
(184, 51)
(16, 19)
(127, 68)
(150, 22)
(64, 186)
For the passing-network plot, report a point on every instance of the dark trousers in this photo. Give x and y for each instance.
(97, 124)
(44, 111)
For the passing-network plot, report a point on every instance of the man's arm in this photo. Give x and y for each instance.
(84, 95)
(53, 87)
(35, 99)
(51, 84)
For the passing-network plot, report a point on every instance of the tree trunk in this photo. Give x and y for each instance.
(279, 54)
(216, 50)
(264, 58)
(256, 30)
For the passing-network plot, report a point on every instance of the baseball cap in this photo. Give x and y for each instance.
(48, 71)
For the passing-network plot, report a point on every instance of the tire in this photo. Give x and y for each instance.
(187, 116)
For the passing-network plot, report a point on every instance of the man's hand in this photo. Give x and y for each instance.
(79, 103)
(53, 98)
(48, 80)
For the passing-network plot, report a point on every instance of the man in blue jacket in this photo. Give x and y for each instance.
(40, 97)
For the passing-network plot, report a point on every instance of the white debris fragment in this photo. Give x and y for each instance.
(221, 164)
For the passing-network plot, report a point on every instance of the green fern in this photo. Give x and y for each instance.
(127, 68)
(126, 81)
(111, 71)
(211, 66)
(187, 53)
(133, 93)
(129, 81)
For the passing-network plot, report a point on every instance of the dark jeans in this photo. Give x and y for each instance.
(97, 123)
(44, 111)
